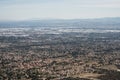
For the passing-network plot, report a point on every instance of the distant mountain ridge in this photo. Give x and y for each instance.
(113, 22)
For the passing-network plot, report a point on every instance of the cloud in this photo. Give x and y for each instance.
(97, 3)
(100, 6)
(26, 9)
(77, 3)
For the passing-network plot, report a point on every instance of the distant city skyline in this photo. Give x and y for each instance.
(58, 9)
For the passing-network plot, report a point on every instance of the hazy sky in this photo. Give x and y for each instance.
(58, 9)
